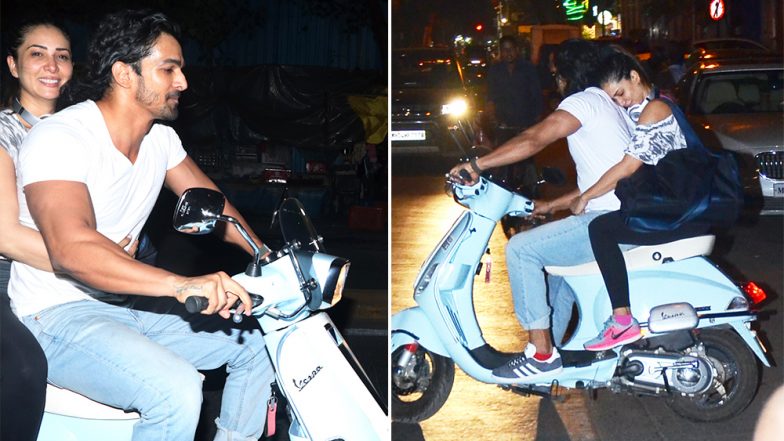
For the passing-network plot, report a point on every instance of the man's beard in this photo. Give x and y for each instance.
(149, 98)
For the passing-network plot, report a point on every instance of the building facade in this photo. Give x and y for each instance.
(758, 20)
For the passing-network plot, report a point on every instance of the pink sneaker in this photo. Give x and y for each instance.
(614, 334)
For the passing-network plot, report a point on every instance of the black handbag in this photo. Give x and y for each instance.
(692, 185)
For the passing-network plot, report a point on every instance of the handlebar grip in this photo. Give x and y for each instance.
(195, 304)
(464, 175)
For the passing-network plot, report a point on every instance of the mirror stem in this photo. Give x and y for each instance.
(254, 268)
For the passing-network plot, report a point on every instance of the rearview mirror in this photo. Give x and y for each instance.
(197, 211)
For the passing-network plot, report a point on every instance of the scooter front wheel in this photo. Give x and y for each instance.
(421, 387)
(738, 378)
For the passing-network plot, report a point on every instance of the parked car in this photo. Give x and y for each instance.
(429, 96)
(726, 48)
(728, 43)
(737, 105)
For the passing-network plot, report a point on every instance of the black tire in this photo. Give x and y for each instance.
(741, 379)
(413, 402)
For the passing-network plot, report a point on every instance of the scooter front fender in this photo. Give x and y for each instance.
(411, 325)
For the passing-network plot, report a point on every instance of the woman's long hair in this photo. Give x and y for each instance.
(617, 64)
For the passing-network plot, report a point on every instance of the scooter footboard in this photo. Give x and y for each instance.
(410, 325)
(324, 384)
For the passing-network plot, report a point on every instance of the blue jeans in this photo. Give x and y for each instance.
(564, 242)
(147, 361)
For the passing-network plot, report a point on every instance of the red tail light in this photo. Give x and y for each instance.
(754, 292)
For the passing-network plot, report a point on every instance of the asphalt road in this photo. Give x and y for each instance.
(421, 213)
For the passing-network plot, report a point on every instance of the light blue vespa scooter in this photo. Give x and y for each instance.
(329, 396)
(698, 349)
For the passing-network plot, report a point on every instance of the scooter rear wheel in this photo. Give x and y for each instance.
(739, 374)
(422, 387)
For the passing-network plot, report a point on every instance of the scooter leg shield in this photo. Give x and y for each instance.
(325, 392)
(411, 325)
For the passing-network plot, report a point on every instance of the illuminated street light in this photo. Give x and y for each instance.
(604, 17)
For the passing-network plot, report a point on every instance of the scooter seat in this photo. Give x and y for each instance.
(646, 256)
(64, 402)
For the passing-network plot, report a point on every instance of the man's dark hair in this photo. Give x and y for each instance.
(577, 62)
(617, 64)
(126, 36)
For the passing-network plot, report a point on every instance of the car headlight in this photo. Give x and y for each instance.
(457, 107)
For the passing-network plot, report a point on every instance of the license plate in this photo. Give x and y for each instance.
(408, 135)
(778, 189)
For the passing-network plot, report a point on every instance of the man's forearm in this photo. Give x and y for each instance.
(563, 202)
(516, 149)
(105, 266)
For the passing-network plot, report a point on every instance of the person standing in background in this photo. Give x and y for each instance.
(514, 103)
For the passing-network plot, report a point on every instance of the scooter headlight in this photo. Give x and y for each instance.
(329, 274)
(336, 280)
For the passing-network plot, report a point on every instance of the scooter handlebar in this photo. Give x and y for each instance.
(194, 304)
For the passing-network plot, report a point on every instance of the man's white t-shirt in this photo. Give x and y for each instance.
(75, 145)
(599, 143)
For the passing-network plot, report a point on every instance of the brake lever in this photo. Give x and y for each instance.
(239, 307)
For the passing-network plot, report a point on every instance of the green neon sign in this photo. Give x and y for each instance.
(575, 9)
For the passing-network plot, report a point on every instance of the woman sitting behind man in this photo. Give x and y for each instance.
(656, 133)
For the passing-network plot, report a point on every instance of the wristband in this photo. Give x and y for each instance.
(475, 166)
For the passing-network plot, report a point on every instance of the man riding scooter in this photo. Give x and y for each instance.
(91, 174)
(597, 132)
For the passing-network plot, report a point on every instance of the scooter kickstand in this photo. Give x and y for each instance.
(555, 394)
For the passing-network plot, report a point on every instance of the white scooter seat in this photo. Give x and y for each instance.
(64, 402)
(646, 256)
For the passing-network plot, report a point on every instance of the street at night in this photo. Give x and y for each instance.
(422, 212)
(464, 80)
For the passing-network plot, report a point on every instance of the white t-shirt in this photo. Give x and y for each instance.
(75, 145)
(600, 142)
